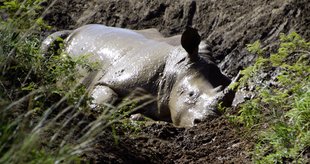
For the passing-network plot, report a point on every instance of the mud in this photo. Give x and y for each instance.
(227, 26)
(214, 141)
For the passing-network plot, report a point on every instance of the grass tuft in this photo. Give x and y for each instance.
(45, 114)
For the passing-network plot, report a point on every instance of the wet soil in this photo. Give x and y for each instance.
(213, 141)
(227, 26)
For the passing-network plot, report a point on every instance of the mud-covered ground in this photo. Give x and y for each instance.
(213, 141)
(227, 26)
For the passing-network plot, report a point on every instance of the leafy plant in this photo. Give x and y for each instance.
(281, 107)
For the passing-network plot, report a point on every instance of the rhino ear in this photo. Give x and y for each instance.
(190, 41)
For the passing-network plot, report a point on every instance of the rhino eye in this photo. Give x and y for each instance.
(191, 97)
(191, 94)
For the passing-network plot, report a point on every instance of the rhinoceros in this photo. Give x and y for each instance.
(170, 69)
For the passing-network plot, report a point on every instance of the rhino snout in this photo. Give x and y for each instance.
(193, 116)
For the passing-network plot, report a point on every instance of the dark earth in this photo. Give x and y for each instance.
(227, 26)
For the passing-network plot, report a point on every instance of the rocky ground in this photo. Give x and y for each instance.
(227, 26)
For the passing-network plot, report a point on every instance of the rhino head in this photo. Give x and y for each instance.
(193, 83)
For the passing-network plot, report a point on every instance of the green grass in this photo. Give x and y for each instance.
(44, 109)
(279, 114)
(29, 93)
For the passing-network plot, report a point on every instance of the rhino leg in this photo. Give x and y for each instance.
(51, 43)
(103, 95)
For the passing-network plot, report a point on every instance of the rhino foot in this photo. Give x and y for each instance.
(103, 95)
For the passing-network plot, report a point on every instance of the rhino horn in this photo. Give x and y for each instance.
(190, 41)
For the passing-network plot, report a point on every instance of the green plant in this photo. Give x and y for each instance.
(128, 106)
(36, 99)
(280, 110)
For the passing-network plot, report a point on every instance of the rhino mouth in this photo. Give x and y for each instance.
(191, 117)
(210, 115)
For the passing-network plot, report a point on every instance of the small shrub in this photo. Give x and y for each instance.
(280, 109)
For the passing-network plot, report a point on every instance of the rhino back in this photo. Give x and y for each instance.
(139, 68)
(105, 44)
(128, 59)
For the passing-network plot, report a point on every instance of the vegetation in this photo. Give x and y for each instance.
(279, 113)
(29, 93)
(44, 109)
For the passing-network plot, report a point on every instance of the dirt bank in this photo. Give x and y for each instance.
(226, 25)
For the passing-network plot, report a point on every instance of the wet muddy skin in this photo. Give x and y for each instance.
(185, 84)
